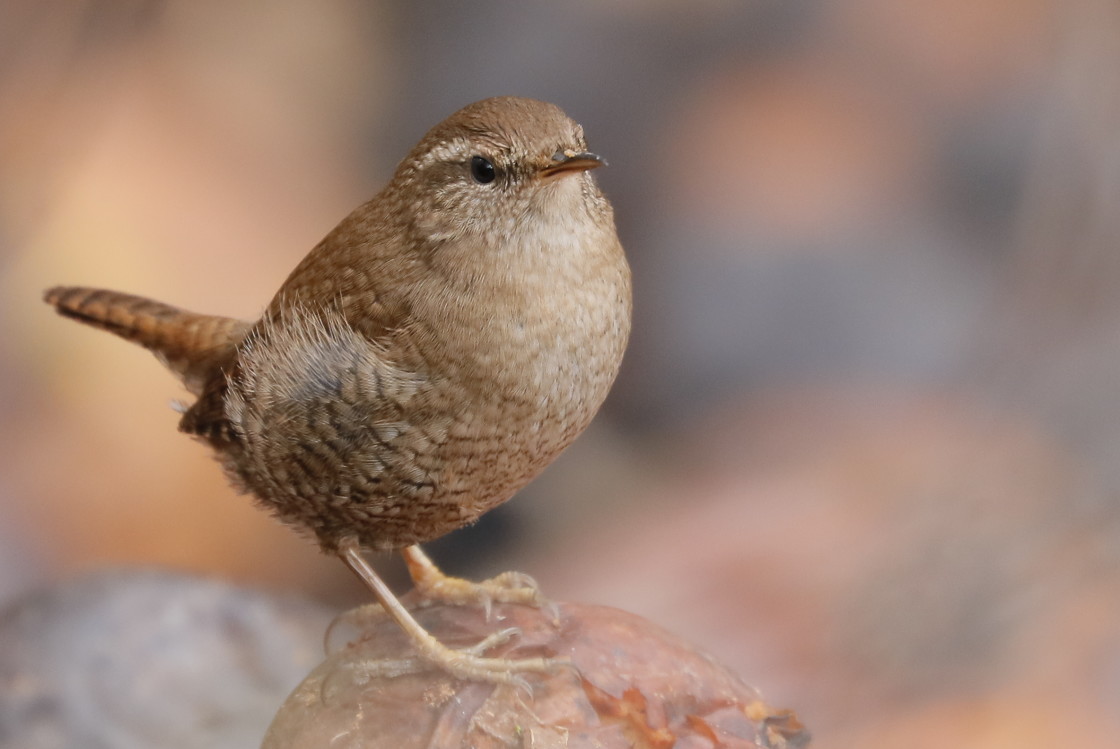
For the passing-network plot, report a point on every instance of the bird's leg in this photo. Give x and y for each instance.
(433, 584)
(466, 664)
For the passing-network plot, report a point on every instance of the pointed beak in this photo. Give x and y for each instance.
(571, 161)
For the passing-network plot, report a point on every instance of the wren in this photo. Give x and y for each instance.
(426, 360)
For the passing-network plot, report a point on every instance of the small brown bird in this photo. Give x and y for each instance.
(426, 360)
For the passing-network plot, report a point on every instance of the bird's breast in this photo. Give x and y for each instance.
(531, 361)
(550, 342)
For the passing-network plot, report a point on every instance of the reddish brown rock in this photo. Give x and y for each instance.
(636, 686)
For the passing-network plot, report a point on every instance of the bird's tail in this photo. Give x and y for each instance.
(191, 345)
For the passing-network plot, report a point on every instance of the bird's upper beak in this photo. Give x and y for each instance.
(571, 161)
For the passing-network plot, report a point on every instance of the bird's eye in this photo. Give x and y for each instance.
(482, 170)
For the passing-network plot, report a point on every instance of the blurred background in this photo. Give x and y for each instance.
(864, 447)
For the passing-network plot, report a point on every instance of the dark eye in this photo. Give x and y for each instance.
(482, 170)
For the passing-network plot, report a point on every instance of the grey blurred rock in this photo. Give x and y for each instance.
(152, 659)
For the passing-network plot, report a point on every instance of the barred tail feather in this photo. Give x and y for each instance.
(191, 345)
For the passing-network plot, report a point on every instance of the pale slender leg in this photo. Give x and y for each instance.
(432, 583)
(464, 664)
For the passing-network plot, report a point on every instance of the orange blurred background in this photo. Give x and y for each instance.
(865, 447)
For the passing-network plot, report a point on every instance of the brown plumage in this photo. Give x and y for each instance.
(430, 356)
(192, 346)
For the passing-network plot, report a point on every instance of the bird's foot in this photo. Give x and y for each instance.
(342, 628)
(468, 664)
(434, 585)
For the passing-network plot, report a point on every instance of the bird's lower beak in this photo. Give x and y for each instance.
(572, 161)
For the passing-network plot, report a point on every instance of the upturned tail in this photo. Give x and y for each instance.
(195, 347)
